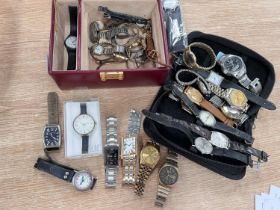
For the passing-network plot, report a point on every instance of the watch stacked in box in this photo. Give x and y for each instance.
(208, 105)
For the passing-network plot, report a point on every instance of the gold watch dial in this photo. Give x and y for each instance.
(238, 98)
(150, 156)
(194, 95)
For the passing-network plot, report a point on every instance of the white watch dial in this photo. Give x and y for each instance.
(215, 78)
(207, 118)
(98, 50)
(220, 140)
(82, 180)
(84, 124)
(203, 145)
(129, 146)
(71, 42)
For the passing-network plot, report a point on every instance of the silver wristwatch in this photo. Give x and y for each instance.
(111, 153)
(233, 65)
(130, 148)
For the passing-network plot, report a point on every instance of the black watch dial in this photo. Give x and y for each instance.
(168, 175)
(52, 136)
(233, 64)
(111, 155)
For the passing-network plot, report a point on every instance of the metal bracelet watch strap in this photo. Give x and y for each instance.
(190, 58)
(164, 189)
(143, 175)
(130, 161)
(53, 111)
(111, 169)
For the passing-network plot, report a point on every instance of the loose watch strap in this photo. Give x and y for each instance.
(85, 143)
(143, 175)
(73, 13)
(62, 172)
(53, 110)
(111, 177)
(216, 112)
(234, 131)
(83, 107)
(251, 96)
(261, 155)
(71, 59)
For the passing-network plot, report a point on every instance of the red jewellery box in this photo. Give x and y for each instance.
(110, 75)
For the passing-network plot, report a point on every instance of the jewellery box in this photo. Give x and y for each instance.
(257, 66)
(111, 75)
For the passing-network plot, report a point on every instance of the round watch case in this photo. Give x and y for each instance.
(207, 118)
(236, 98)
(168, 174)
(233, 65)
(203, 145)
(71, 42)
(83, 180)
(219, 140)
(149, 156)
(84, 124)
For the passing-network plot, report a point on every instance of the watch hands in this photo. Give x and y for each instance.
(82, 181)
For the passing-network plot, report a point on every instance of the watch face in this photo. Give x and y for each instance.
(84, 124)
(203, 145)
(150, 155)
(83, 180)
(219, 140)
(129, 146)
(71, 42)
(233, 64)
(194, 95)
(207, 118)
(98, 50)
(111, 155)
(52, 136)
(168, 175)
(238, 98)
(170, 4)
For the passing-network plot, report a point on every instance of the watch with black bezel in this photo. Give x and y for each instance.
(111, 153)
(52, 133)
(82, 180)
(71, 41)
(84, 124)
(168, 176)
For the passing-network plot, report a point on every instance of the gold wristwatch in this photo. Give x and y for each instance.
(168, 176)
(149, 158)
(196, 97)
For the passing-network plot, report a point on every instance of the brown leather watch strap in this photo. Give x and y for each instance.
(216, 112)
(53, 112)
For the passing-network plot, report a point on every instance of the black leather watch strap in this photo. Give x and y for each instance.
(251, 96)
(73, 13)
(62, 172)
(83, 108)
(244, 158)
(85, 144)
(71, 59)
(234, 131)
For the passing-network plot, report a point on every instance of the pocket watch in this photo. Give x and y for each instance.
(149, 157)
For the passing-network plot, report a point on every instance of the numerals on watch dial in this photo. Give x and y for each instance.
(84, 124)
(82, 180)
(233, 64)
(129, 146)
(52, 136)
(168, 175)
(71, 42)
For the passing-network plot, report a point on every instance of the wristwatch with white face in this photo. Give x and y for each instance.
(233, 65)
(130, 148)
(111, 153)
(84, 124)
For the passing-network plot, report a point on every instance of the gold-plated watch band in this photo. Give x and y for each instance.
(53, 112)
(143, 175)
(129, 169)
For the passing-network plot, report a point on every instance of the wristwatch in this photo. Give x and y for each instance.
(190, 58)
(233, 65)
(149, 158)
(195, 96)
(218, 80)
(235, 114)
(81, 180)
(52, 133)
(130, 148)
(111, 153)
(168, 176)
(71, 41)
(84, 124)
(206, 117)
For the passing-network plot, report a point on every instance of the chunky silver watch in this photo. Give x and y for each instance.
(111, 153)
(233, 65)
(130, 148)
